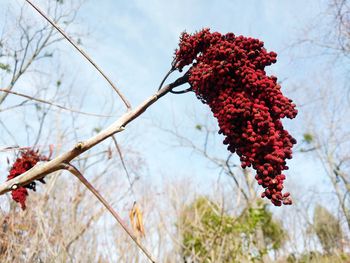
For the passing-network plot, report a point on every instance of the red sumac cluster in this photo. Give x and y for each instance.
(28, 158)
(227, 73)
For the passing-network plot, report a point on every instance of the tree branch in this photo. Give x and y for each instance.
(42, 169)
(77, 173)
(51, 103)
(123, 164)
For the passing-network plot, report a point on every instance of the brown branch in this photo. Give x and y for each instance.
(123, 163)
(82, 179)
(42, 169)
(82, 52)
(52, 104)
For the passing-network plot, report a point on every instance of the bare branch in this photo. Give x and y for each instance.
(52, 104)
(82, 52)
(77, 173)
(31, 46)
(123, 163)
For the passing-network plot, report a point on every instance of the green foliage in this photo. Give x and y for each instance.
(208, 233)
(198, 127)
(38, 107)
(97, 129)
(5, 67)
(48, 54)
(317, 257)
(274, 234)
(327, 229)
(308, 137)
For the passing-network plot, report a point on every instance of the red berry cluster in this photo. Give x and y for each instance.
(227, 73)
(25, 162)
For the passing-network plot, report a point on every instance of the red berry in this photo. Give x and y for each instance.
(25, 162)
(229, 76)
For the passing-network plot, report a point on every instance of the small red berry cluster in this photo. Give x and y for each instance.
(28, 159)
(227, 73)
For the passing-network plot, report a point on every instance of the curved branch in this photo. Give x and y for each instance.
(123, 164)
(165, 77)
(82, 179)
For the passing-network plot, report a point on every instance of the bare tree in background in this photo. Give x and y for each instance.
(327, 136)
(329, 33)
(244, 200)
(25, 42)
(326, 106)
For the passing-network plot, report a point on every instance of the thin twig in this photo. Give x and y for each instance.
(186, 75)
(82, 179)
(52, 104)
(82, 52)
(124, 165)
(232, 174)
(165, 77)
(181, 91)
(41, 125)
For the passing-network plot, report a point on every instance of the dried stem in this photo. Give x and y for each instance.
(123, 163)
(52, 104)
(82, 52)
(165, 77)
(82, 179)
